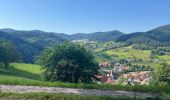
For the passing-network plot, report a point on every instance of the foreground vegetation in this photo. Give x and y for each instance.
(30, 75)
(45, 96)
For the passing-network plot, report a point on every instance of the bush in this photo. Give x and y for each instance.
(68, 62)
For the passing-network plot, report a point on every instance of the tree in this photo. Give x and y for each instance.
(8, 52)
(160, 74)
(68, 62)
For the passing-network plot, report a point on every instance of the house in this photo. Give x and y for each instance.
(142, 77)
(104, 64)
(105, 79)
(119, 67)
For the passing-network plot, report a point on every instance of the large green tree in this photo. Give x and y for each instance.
(68, 62)
(8, 53)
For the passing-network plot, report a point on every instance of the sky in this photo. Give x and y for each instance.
(75, 16)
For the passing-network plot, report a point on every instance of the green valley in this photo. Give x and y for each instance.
(135, 62)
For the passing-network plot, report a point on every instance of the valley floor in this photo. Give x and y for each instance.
(81, 92)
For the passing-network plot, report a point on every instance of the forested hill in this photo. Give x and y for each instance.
(160, 34)
(38, 35)
(25, 49)
(31, 43)
(35, 36)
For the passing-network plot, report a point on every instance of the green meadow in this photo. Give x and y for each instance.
(18, 71)
(129, 53)
(124, 53)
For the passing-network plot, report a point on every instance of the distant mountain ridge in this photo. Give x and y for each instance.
(160, 34)
(96, 36)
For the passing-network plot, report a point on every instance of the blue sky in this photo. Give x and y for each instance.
(73, 16)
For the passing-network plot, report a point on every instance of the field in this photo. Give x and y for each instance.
(124, 53)
(128, 53)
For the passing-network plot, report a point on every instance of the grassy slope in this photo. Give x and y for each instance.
(125, 53)
(164, 58)
(129, 53)
(21, 72)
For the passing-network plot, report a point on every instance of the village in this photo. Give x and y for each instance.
(114, 73)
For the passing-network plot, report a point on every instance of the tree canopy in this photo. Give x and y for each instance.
(8, 52)
(161, 73)
(68, 62)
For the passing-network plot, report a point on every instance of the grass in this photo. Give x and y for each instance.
(30, 75)
(47, 96)
(125, 53)
(164, 58)
(21, 71)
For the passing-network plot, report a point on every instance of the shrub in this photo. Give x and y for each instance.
(68, 62)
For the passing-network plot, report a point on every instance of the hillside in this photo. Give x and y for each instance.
(22, 46)
(42, 36)
(31, 43)
(160, 34)
(21, 72)
(35, 36)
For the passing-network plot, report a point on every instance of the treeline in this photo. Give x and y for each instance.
(160, 52)
(151, 45)
(165, 49)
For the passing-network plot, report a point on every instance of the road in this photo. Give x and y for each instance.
(91, 92)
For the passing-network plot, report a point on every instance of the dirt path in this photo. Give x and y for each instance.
(27, 89)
